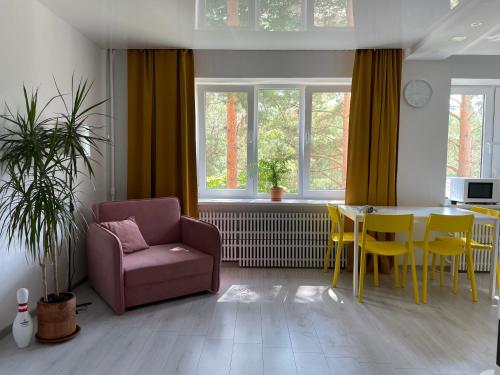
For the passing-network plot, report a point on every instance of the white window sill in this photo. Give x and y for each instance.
(202, 202)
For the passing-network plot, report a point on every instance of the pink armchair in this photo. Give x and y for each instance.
(183, 255)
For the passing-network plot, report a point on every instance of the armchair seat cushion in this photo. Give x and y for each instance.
(160, 263)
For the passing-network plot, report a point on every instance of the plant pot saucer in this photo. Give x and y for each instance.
(60, 339)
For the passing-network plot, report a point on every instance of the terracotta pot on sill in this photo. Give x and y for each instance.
(57, 320)
(276, 193)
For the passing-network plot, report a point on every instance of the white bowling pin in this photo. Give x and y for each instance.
(22, 329)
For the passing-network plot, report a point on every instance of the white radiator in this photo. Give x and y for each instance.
(272, 239)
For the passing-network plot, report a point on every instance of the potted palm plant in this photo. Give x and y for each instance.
(273, 170)
(41, 159)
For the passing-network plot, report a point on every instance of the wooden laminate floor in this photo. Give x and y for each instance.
(277, 321)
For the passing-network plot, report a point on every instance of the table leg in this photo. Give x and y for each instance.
(494, 260)
(355, 269)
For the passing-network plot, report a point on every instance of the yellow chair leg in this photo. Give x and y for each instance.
(470, 265)
(375, 270)
(414, 278)
(425, 265)
(455, 276)
(405, 270)
(336, 272)
(468, 273)
(433, 267)
(362, 276)
(328, 254)
(441, 271)
(396, 271)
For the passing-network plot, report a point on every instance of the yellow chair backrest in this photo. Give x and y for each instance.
(450, 223)
(483, 210)
(337, 224)
(388, 223)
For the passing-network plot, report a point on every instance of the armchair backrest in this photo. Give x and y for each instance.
(159, 219)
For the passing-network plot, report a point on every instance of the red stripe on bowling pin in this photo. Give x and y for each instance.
(22, 307)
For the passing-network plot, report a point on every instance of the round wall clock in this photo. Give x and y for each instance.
(418, 93)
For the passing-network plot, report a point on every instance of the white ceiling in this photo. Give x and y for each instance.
(424, 27)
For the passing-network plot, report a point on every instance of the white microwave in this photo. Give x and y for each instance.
(473, 190)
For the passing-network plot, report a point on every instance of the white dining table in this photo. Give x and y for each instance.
(420, 215)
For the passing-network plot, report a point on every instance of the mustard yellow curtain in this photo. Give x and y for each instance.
(161, 126)
(373, 129)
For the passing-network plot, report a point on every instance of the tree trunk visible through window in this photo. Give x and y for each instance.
(232, 144)
(465, 146)
(232, 130)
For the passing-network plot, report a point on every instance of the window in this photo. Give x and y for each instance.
(242, 127)
(328, 145)
(470, 132)
(278, 133)
(226, 116)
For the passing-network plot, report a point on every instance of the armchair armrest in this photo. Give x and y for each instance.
(204, 237)
(105, 266)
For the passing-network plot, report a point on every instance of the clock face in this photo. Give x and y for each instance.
(418, 93)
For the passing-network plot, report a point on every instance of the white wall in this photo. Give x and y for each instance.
(424, 132)
(35, 45)
(273, 64)
(120, 102)
(423, 137)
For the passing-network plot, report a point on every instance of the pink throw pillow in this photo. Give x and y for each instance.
(128, 233)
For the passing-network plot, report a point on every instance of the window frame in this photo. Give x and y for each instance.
(308, 192)
(278, 86)
(306, 90)
(488, 120)
(201, 91)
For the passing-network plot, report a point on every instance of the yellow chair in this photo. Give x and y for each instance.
(338, 236)
(474, 244)
(388, 224)
(448, 246)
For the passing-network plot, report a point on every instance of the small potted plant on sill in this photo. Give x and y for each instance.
(273, 170)
(41, 159)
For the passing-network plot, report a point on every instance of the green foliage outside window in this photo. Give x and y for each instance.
(216, 121)
(278, 134)
(328, 140)
(465, 135)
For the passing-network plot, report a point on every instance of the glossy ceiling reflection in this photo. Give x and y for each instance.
(429, 29)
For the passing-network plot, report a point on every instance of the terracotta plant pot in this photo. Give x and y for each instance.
(276, 194)
(56, 320)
